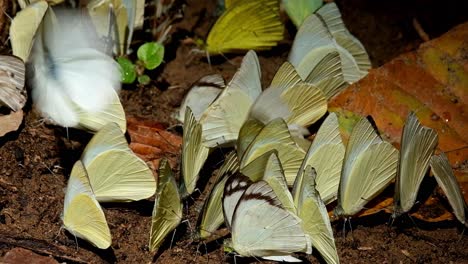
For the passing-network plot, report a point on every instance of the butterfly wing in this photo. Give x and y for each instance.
(290, 98)
(107, 138)
(332, 17)
(314, 215)
(275, 136)
(223, 119)
(299, 10)
(370, 165)
(234, 187)
(212, 217)
(417, 146)
(167, 211)
(82, 214)
(12, 92)
(194, 153)
(24, 27)
(111, 113)
(326, 156)
(443, 173)
(246, 25)
(262, 227)
(201, 95)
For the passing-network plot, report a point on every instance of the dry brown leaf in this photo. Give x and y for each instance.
(433, 82)
(151, 141)
(10, 122)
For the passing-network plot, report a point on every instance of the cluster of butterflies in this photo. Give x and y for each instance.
(75, 82)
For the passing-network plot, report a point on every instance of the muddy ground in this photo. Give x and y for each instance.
(35, 161)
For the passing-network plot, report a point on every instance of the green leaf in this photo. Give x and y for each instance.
(127, 68)
(144, 79)
(151, 54)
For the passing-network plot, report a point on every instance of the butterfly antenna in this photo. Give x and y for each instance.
(462, 233)
(68, 136)
(344, 228)
(351, 229)
(412, 220)
(172, 239)
(228, 60)
(208, 58)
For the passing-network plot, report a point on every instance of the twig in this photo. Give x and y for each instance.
(39, 246)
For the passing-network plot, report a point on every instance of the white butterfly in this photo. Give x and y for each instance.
(201, 95)
(223, 119)
(73, 79)
(369, 166)
(448, 182)
(82, 214)
(116, 174)
(260, 225)
(417, 146)
(326, 156)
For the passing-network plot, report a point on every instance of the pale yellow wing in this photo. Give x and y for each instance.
(314, 215)
(326, 156)
(99, 11)
(275, 136)
(107, 138)
(417, 146)
(370, 165)
(332, 17)
(223, 119)
(443, 173)
(246, 25)
(167, 211)
(24, 27)
(299, 10)
(290, 98)
(82, 214)
(111, 113)
(194, 153)
(212, 217)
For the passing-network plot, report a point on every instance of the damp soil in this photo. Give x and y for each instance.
(35, 161)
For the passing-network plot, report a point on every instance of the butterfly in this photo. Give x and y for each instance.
(212, 217)
(74, 83)
(326, 156)
(311, 209)
(417, 146)
(222, 120)
(82, 215)
(24, 27)
(370, 164)
(116, 174)
(259, 224)
(315, 43)
(444, 176)
(332, 17)
(201, 95)
(12, 93)
(246, 25)
(194, 153)
(275, 135)
(297, 102)
(298, 10)
(167, 212)
(116, 17)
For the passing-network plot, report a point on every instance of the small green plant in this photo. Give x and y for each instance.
(150, 56)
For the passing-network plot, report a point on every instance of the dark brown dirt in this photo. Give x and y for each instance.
(35, 161)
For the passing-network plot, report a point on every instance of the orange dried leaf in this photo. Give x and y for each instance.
(10, 122)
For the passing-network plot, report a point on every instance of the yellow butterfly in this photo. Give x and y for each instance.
(82, 214)
(167, 211)
(194, 153)
(314, 215)
(116, 174)
(246, 25)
